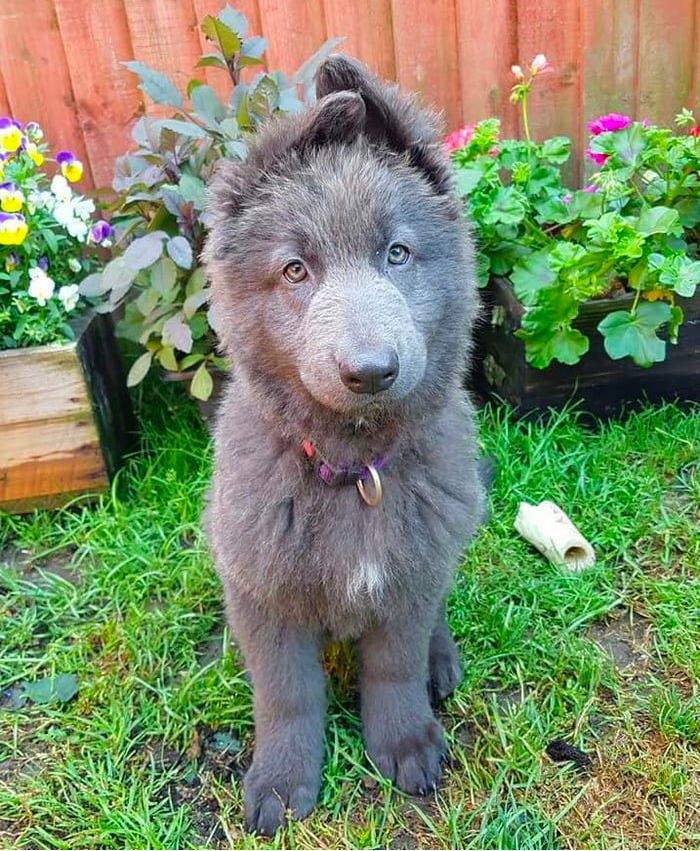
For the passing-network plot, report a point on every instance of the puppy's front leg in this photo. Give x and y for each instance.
(402, 737)
(289, 705)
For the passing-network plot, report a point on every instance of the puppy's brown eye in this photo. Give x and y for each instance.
(398, 254)
(294, 271)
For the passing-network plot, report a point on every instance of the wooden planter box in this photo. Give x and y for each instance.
(602, 384)
(65, 418)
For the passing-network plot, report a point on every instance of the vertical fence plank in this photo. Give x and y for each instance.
(294, 29)
(555, 101)
(484, 64)
(4, 102)
(368, 34)
(666, 57)
(610, 55)
(694, 103)
(164, 37)
(34, 68)
(96, 41)
(425, 44)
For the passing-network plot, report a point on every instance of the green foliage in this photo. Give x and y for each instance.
(633, 233)
(150, 751)
(46, 244)
(161, 189)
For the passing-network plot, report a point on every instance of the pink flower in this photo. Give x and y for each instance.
(591, 186)
(540, 65)
(517, 72)
(608, 123)
(566, 199)
(695, 131)
(493, 152)
(458, 138)
(598, 159)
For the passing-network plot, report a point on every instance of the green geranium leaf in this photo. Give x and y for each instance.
(156, 85)
(553, 210)
(657, 220)
(628, 143)
(564, 344)
(530, 275)
(556, 150)
(689, 212)
(585, 205)
(633, 335)
(678, 272)
(508, 207)
(467, 178)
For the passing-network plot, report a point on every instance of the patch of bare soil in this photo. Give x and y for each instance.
(36, 570)
(625, 639)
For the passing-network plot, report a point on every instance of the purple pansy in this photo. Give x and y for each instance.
(64, 157)
(100, 231)
(43, 263)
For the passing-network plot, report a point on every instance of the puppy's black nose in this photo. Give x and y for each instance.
(372, 372)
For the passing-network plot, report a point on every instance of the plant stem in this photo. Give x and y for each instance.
(636, 301)
(526, 123)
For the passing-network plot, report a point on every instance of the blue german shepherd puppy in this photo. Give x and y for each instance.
(345, 475)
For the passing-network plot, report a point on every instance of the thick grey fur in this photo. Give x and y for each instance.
(302, 562)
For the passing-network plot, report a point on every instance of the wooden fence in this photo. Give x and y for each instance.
(60, 59)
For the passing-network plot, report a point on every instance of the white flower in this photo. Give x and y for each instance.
(40, 201)
(61, 188)
(68, 296)
(74, 266)
(41, 287)
(84, 208)
(65, 214)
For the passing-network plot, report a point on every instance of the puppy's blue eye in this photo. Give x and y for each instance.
(294, 271)
(398, 254)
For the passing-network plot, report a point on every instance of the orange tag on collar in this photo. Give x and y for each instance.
(308, 448)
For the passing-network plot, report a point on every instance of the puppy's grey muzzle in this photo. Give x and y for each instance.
(371, 372)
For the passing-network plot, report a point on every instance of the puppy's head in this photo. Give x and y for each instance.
(337, 254)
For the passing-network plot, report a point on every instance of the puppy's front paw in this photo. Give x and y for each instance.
(413, 760)
(272, 790)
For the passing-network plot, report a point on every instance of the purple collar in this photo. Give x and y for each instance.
(343, 474)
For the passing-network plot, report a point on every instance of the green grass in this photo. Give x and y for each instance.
(150, 751)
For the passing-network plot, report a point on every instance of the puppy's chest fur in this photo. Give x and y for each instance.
(321, 556)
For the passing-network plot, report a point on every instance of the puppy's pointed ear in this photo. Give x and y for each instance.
(393, 120)
(340, 116)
